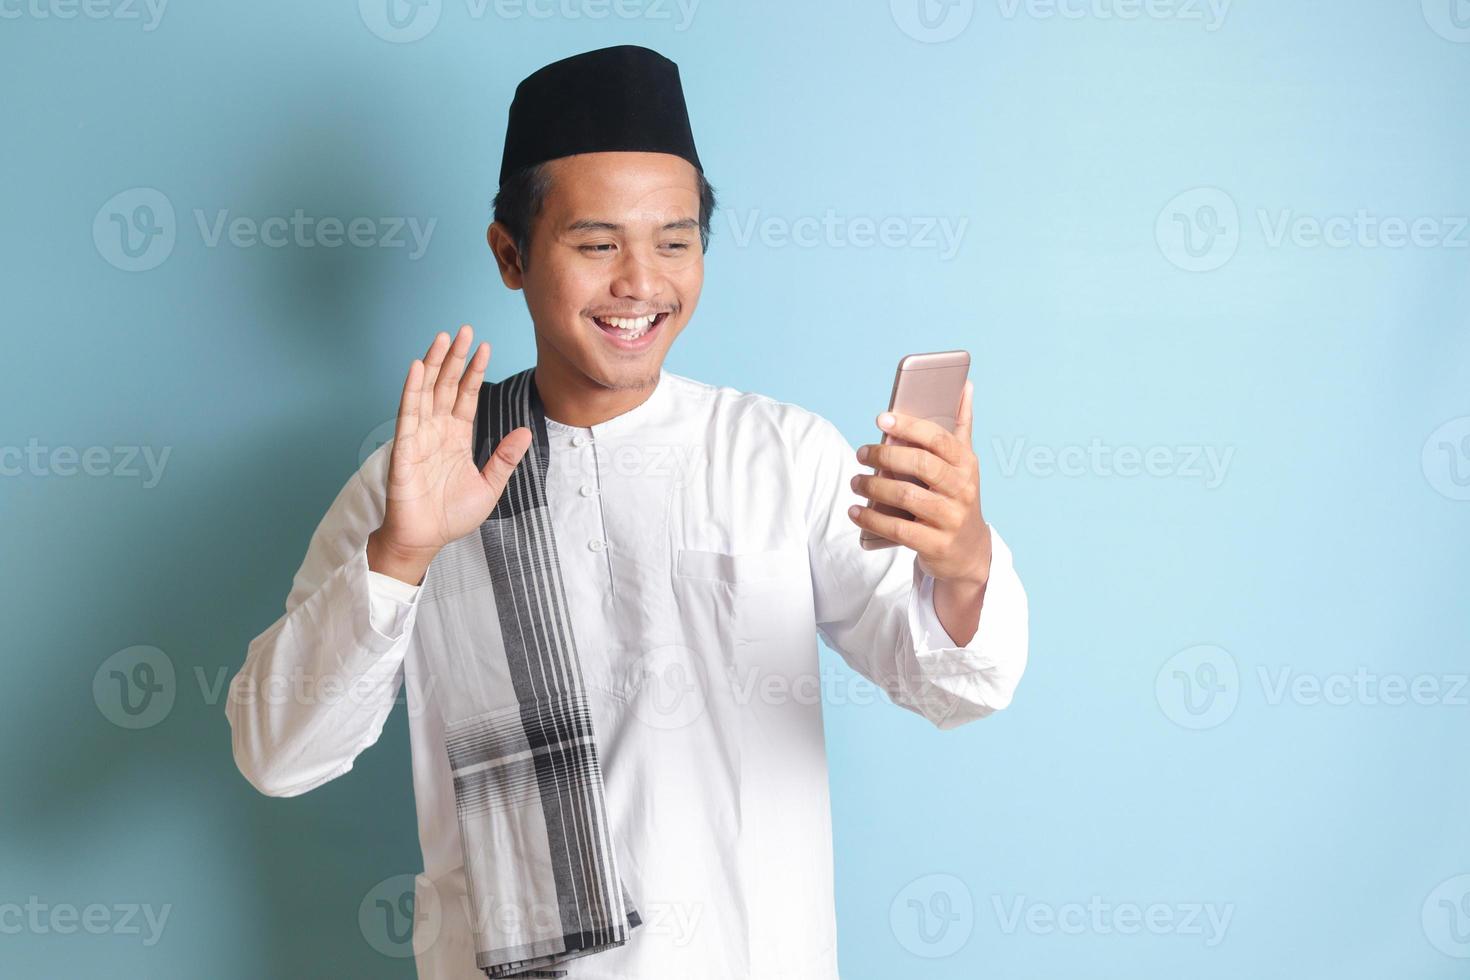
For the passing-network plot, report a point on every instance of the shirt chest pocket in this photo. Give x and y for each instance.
(742, 572)
(743, 609)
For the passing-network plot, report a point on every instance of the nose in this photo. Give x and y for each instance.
(634, 277)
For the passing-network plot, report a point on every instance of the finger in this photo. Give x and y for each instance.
(408, 402)
(928, 435)
(469, 387)
(910, 534)
(964, 427)
(926, 505)
(502, 462)
(909, 461)
(433, 358)
(446, 386)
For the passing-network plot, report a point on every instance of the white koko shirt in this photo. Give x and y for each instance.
(704, 543)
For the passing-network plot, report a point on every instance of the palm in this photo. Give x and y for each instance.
(435, 492)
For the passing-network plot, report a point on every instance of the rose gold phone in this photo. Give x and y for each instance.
(928, 386)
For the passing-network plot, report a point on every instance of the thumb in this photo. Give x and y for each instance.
(503, 460)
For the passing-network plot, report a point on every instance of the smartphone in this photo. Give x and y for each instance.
(928, 386)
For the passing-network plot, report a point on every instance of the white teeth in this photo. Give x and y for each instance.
(631, 326)
(635, 323)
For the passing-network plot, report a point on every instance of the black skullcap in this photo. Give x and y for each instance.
(620, 98)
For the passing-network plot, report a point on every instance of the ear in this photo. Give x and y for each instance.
(507, 256)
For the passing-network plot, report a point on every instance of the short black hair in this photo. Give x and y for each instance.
(521, 195)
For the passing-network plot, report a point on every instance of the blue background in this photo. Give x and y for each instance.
(1334, 543)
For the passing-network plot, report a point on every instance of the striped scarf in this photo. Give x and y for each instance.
(539, 864)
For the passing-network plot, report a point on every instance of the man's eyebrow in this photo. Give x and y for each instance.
(591, 224)
(594, 224)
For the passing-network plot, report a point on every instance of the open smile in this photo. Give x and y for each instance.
(630, 333)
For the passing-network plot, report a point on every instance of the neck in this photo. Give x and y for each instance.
(571, 398)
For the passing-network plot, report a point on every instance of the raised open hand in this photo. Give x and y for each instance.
(436, 494)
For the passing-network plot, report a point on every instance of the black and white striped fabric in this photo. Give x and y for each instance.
(539, 858)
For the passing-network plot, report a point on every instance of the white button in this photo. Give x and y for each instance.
(579, 440)
(586, 490)
(595, 544)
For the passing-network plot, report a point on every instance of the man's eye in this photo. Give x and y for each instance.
(597, 249)
(676, 246)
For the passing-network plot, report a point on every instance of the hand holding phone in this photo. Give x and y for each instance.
(927, 386)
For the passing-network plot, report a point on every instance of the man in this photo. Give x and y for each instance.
(601, 583)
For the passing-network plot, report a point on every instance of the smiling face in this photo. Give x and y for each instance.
(615, 267)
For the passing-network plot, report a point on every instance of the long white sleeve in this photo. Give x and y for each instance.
(391, 602)
(317, 686)
(983, 674)
(876, 608)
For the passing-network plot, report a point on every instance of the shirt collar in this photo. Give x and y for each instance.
(629, 420)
